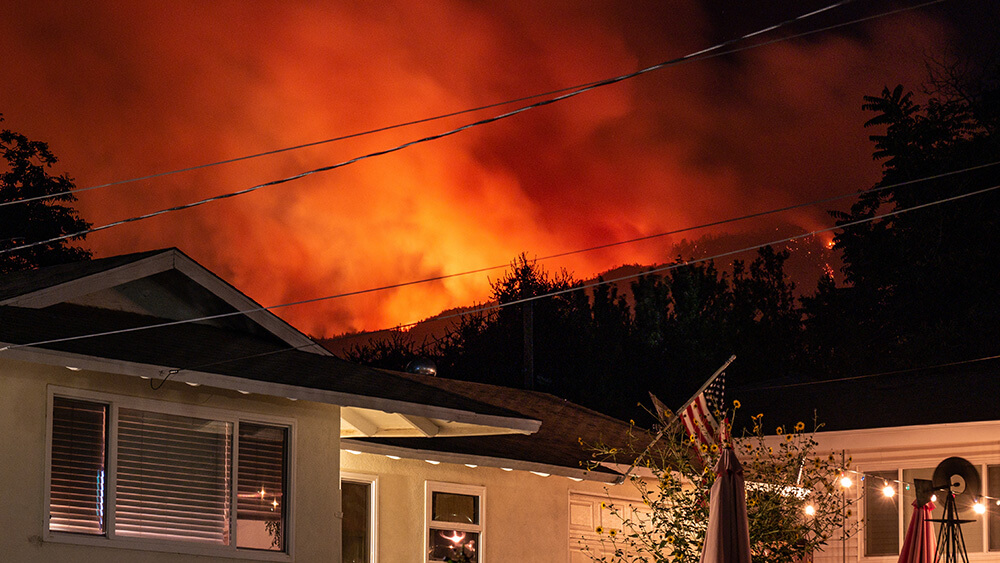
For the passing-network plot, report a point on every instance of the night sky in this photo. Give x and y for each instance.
(127, 89)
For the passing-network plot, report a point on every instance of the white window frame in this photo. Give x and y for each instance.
(109, 539)
(431, 487)
(372, 482)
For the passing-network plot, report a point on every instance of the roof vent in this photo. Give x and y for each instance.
(422, 366)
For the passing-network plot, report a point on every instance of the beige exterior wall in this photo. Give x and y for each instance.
(527, 517)
(315, 532)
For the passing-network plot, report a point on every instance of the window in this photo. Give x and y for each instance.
(358, 502)
(886, 518)
(881, 515)
(144, 473)
(454, 522)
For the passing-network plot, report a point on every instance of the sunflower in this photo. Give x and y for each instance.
(715, 448)
(736, 404)
(599, 529)
(788, 438)
(800, 426)
(704, 447)
(613, 532)
(780, 430)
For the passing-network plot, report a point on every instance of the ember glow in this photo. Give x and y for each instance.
(122, 90)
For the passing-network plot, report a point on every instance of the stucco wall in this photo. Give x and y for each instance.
(23, 445)
(526, 518)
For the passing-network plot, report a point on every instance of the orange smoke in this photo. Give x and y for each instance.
(122, 91)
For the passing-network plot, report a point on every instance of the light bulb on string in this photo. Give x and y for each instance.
(810, 510)
(888, 491)
(979, 508)
(846, 482)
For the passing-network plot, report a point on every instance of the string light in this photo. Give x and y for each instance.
(979, 508)
(846, 482)
(888, 491)
(810, 510)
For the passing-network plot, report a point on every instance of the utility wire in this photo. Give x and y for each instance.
(496, 306)
(880, 374)
(297, 147)
(407, 123)
(703, 54)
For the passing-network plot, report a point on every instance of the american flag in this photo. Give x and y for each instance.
(701, 416)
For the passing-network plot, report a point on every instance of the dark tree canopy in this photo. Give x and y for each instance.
(24, 174)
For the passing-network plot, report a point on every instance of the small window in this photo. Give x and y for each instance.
(176, 477)
(260, 505)
(881, 515)
(455, 527)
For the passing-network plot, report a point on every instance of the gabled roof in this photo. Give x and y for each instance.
(941, 395)
(555, 449)
(163, 283)
(256, 352)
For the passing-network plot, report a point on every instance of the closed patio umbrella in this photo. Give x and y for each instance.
(727, 539)
(918, 546)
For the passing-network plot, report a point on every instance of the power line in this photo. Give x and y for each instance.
(872, 375)
(495, 306)
(703, 54)
(297, 147)
(416, 121)
(669, 267)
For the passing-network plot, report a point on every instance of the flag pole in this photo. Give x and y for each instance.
(676, 417)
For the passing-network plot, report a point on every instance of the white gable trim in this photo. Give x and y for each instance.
(88, 284)
(161, 262)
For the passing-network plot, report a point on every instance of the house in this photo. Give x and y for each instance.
(895, 428)
(137, 434)
(213, 440)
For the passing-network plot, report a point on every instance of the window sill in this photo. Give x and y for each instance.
(167, 547)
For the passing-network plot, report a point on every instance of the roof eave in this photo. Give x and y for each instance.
(492, 424)
(478, 460)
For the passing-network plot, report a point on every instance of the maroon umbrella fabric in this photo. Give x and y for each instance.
(727, 539)
(918, 546)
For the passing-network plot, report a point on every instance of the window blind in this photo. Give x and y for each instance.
(260, 505)
(173, 477)
(76, 492)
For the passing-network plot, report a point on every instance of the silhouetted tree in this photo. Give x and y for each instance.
(24, 175)
(923, 286)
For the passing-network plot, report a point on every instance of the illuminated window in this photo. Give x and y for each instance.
(176, 476)
(881, 515)
(454, 522)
